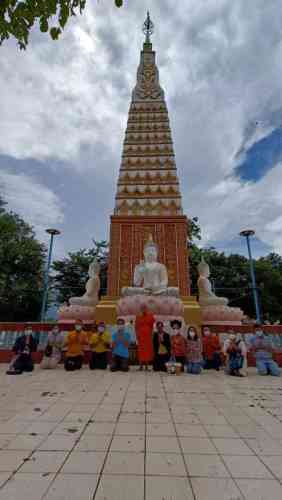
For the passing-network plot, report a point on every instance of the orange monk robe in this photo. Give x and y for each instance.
(144, 332)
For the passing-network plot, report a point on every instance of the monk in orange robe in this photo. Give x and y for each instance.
(144, 324)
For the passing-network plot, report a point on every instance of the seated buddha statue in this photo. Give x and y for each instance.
(150, 276)
(206, 296)
(92, 287)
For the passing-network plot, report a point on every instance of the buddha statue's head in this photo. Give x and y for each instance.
(203, 268)
(150, 250)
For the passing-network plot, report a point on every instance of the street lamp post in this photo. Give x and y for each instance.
(246, 234)
(52, 232)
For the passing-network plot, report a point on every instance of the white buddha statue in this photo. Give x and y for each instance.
(206, 295)
(150, 276)
(92, 287)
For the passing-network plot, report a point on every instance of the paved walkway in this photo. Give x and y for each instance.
(94, 435)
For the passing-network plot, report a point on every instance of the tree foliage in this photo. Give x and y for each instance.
(22, 260)
(17, 17)
(71, 273)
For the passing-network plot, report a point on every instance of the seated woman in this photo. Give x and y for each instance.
(211, 350)
(262, 347)
(178, 343)
(75, 343)
(234, 356)
(23, 348)
(100, 342)
(162, 348)
(120, 344)
(53, 351)
(194, 352)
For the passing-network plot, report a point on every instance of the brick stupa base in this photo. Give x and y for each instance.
(128, 237)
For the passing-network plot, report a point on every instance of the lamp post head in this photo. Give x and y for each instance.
(247, 232)
(53, 232)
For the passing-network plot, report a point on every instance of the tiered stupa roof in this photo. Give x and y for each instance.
(148, 182)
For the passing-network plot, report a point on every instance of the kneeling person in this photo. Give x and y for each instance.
(23, 348)
(120, 343)
(100, 344)
(262, 347)
(75, 342)
(53, 351)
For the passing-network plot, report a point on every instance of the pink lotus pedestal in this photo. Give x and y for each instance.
(164, 308)
(222, 315)
(74, 312)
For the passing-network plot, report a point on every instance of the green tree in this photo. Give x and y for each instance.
(194, 231)
(269, 279)
(22, 260)
(2, 205)
(71, 273)
(17, 17)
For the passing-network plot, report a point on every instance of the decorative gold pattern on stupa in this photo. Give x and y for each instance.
(148, 182)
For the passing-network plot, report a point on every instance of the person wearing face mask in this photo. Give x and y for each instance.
(178, 343)
(23, 348)
(233, 350)
(53, 351)
(211, 350)
(162, 348)
(120, 347)
(75, 343)
(194, 352)
(262, 348)
(99, 342)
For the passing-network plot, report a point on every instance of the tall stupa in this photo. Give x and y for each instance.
(148, 199)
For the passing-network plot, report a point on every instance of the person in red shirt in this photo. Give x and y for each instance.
(144, 324)
(178, 343)
(211, 350)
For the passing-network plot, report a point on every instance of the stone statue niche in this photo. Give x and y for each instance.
(206, 295)
(150, 276)
(92, 287)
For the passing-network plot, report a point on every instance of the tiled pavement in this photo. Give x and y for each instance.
(139, 436)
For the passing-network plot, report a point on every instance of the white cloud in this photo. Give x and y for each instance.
(38, 205)
(220, 66)
(236, 206)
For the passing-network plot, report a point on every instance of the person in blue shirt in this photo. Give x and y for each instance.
(261, 346)
(120, 344)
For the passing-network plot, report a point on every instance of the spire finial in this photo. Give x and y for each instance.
(148, 28)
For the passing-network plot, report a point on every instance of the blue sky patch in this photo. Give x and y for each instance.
(261, 157)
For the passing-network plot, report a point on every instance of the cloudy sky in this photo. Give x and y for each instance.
(64, 108)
